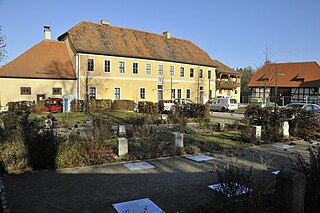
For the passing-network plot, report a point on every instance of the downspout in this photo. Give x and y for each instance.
(215, 82)
(78, 75)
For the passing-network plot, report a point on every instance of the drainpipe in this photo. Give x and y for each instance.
(78, 75)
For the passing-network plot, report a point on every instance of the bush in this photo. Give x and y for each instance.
(269, 119)
(304, 124)
(148, 107)
(42, 148)
(123, 105)
(14, 156)
(311, 168)
(25, 106)
(76, 154)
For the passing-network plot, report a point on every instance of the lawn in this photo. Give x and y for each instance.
(71, 118)
(225, 140)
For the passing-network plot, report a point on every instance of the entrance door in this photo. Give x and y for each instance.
(160, 92)
(41, 97)
(160, 95)
(201, 95)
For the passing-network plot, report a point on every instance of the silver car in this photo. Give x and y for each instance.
(308, 107)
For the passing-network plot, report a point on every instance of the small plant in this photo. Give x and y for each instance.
(311, 168)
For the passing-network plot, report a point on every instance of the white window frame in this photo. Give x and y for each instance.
(191, 68)
(133, 68)
(145, 93)
(104, 65)
(124, 67)
(178, 93)
(171, 71)
(162, 71)
(114, 93)
(147, 69)
(188, 89)
(209, 72)
(94, 64)
(180, 72)
(95, 94)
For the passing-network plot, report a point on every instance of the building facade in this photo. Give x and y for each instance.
(228, 81)
(99, 61)
(287, 82)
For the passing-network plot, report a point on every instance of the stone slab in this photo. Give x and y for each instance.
(139, 166)
(199, 158)
(142, 205)
(241, 189)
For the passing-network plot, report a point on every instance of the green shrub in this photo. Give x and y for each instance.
(14, 156)
(69, 155)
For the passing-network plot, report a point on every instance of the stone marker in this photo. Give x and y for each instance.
(256, 132)
(121, 131)
(122, 146)
(290, 187)
(48, 123)
(164, 117)
(221, 126)
(1, 124)
(285, 127)
(177, 139)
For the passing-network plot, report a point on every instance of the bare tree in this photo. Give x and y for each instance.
(88, 82)
(267, 61)
(3, 52)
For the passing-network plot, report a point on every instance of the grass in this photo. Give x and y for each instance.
(116, 116)
(225, 139)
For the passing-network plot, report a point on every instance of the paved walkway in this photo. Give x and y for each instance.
(174, 184)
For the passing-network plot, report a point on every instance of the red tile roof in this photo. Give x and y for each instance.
(296, 74)
(88, 37)
(48, 59)
(222, 68)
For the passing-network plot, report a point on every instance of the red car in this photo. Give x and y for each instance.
(53, 105)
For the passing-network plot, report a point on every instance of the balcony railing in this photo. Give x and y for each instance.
(227, 85)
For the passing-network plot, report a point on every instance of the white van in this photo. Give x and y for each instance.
(223, 104)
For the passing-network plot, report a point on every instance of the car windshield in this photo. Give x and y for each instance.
(233, 101)
(295, 105)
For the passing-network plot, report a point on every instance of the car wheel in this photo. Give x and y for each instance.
(223, 109)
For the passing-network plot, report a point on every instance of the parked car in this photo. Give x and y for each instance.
(223, 104)
(305, 106)
(166, 105)
(183, 101)
(53, 105)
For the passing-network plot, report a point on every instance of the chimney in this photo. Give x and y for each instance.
(105, 22)
(167, 34)
(47, 32)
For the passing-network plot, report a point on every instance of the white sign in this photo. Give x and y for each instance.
(138, 166)
(199, 158)
(137, 206)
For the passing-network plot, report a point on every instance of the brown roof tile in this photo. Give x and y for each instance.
(95, 38)
(222, 68)
(47, 59)
(289, 75)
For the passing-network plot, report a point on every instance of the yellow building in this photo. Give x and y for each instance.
(43, 71)
(228, 81)
(106, 62)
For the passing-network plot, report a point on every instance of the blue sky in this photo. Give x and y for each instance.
(235, 32)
